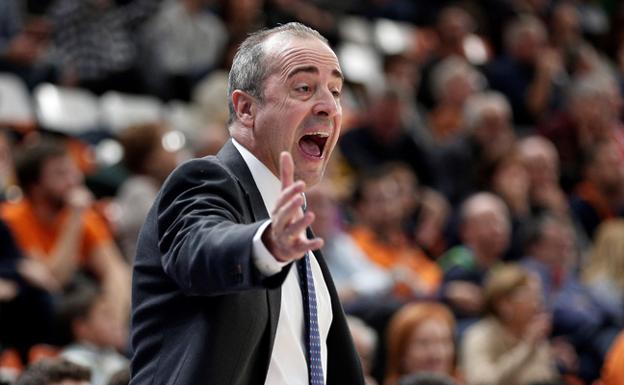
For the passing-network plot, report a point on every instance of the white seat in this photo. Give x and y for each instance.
(393, 37)
(356, 29)
(183, 117)
(15, 101)
(119, 110)
(71, 111)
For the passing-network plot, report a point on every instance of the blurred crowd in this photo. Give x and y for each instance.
(472, 212)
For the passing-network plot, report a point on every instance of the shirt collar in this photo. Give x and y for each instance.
(268, 184)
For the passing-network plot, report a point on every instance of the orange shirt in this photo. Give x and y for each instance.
(389, 256)
(37, 239)
(613, 369)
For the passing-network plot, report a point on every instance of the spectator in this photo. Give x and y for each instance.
(485, 231)
(603, 272)
(541, 161)
(578, 320)
(149, 162)
(511, 182)
(420, 339)
(94, 43)
(379, 233)
(355, 276)
(565, 27)
(510, 346)
(54, 372)
(426, 211)
(89, 315)
(385, 139)
(488, 136)
(24, 43)
(185, 41)
(612, 373)
(56, 225)
(402, 74)
(530, 73)
(452, 28)
(453, 81)
(600, 195)
(365, 341)
(591, 115)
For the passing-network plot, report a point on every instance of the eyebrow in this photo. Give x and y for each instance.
(314, 70)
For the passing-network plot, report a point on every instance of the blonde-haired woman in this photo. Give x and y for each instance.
(420, 339)
(604, 271)
(510, 345)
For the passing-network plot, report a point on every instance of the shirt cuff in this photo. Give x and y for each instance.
(262, 257)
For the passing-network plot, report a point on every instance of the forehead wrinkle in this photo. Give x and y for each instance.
(288, 61)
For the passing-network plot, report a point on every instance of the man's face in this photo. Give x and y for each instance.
(300, 112)
(487, 231)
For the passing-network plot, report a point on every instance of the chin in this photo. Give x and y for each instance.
(310, 178)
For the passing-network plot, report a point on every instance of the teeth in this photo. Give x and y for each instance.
(321, 134)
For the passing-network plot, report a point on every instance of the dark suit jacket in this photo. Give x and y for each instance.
(201, 311)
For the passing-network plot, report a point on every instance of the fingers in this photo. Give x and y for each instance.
(287, 213)
(287, 169)
(288, 239)
(294, 190)
(290, 242)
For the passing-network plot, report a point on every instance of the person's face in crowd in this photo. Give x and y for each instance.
(487, 231)
(458, 88)
(300, 112)
(565, 22)
(529, 45)
(523, 304)
(381, 207)
(556, 246)
(607, 169)
(542, 165)
(494, 133)
(408, 193)
(59, 175)
(454, 25)
(385, 116)
(430, 348)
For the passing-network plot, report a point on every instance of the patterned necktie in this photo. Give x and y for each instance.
(310, 315)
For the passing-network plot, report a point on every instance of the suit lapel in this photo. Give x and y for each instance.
(235, 162)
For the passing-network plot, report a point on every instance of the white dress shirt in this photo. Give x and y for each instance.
(288, 360)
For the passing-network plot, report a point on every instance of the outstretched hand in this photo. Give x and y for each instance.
(286, 237)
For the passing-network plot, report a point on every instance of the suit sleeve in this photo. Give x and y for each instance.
(205, 244)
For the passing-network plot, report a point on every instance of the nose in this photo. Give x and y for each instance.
(327, 104)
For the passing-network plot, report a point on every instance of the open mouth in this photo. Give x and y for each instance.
(313, 144)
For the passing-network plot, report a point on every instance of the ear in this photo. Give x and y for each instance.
(244, 107)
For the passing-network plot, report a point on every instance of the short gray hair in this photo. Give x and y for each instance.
(477, 104)
(450, 68)
(249, 67)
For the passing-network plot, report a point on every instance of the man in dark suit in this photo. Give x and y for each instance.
(223, 291)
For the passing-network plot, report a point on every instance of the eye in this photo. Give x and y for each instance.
(336, 93)
(303, 88)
